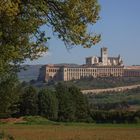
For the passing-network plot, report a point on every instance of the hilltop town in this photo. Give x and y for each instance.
(102, 66)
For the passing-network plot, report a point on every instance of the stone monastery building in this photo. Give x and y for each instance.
(102, 66)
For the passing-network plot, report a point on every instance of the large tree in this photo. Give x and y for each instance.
(28, 101)
(21, 36)
(9, 95)
(65, 104)
(80, 104)
(47, 104)
(72, 104)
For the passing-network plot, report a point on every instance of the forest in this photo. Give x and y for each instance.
(66, 103)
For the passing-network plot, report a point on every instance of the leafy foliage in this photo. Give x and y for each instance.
(65, 104)
(80, 104)
(28, 102)
(116, 116)
(47, 104)
(68, 104)
(9, 93)
(22, 37)
(73, 105)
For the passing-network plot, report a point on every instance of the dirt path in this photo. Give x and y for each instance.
(97, 91)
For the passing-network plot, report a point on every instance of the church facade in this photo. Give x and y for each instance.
(104, 60)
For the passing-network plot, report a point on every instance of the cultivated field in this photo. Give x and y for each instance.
(72, 131)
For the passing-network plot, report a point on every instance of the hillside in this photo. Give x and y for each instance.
(31, 72)
(128, 100)
(106, 82)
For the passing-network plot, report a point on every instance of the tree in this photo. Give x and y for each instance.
(72, 104)
(47, 104)
(66, 109)
(22, 37)
(80, 104)
(28, 101)
(9, 95)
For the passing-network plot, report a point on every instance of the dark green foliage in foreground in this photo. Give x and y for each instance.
(68, 104)
(116, 116)
(73, 105)
(28, 101)
(47, 104)
(80, 103)
(9, 89)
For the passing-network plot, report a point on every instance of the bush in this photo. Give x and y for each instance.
(115, 116)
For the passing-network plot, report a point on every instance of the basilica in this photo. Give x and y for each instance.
(103, 66)
(104, 60)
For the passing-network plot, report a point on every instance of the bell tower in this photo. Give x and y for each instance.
(104, 55)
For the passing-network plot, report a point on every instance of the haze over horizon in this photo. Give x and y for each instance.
(119, 27)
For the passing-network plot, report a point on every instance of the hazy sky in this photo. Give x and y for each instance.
(120, 29)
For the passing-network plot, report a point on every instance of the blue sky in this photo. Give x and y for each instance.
(120, 29)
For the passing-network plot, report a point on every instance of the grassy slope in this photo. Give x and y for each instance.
(131, 97)
(108, 82)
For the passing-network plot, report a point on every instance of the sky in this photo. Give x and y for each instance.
(119, 26)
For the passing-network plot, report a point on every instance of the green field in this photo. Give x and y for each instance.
(72, 131)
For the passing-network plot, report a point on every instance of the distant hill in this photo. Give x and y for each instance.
(31, 73)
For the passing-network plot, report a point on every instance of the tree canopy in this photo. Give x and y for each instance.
(21, 36)
(9, 95)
